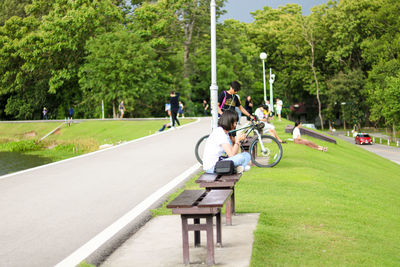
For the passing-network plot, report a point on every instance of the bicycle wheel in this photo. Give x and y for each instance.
(271, 155)
(199, 149)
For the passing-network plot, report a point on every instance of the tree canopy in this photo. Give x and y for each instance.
(63, 53)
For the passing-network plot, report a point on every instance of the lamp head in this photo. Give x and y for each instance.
(263, 56)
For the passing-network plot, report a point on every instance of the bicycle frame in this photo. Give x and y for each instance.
(251, 127)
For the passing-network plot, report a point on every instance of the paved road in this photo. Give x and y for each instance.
(49, 212)
(389, 152)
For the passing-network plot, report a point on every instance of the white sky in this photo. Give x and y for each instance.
(240, 9)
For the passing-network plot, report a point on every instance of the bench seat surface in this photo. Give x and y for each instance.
(211, 178)
(215, 198)
(186, 199)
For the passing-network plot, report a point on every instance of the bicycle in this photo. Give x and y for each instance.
(266, 151)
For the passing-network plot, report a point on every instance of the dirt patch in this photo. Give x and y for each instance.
(51, 146)
(57, 131)
(30, 134)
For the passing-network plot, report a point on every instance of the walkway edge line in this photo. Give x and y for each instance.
(87, 249)
(95, 152)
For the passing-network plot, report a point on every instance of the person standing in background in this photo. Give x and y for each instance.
(205, 107)
(228, 100)
(71, 113)
(279, 105)
(180, 110)
(44, 113)
(121, 109)
(249, 105)
(174, 101)
(237, 109)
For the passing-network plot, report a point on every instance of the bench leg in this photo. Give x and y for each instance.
(233, 200)
(219, 233)
(229, 211)
(185, 240)
(196, 234)
(210, 241)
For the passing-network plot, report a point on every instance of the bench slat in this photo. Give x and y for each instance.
(234, 177)
(206, 178)
(215, 198)
(211, 178)
(186, 199)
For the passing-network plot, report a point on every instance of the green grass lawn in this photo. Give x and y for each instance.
(339, 208)
(79, 138)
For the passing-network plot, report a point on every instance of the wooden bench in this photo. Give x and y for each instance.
(198, 204)
(218, 182)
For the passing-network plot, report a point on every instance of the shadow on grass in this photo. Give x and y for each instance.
(16, 161)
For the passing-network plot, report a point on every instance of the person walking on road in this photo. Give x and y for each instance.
(174, 101)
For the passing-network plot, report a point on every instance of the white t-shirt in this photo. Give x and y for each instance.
(279, 105)
(259, 113)
(213, 149)
(296, 133)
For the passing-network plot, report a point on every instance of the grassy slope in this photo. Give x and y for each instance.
(79, 137)
(336, 208)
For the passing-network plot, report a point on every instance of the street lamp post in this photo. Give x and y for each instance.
(214, 86)
(263, 57)
(271, 95)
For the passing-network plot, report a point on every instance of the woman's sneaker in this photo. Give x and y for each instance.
(239, 169)
(247, 168)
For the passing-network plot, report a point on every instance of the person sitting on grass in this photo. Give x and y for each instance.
(219, 143)
(261, 115)
(298, 140)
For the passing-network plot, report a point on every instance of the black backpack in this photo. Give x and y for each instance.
(224, 167)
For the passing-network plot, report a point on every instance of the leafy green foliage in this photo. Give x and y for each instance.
(61, 53)
(19, 146)
(346, 95)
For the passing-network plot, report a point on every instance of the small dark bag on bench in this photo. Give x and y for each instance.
(224, 167)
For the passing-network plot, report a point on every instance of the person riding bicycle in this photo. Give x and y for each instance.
(219, 143)
(260, 114)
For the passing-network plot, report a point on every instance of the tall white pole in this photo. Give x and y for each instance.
(265, 83)
(271, 81)
(102, 109)
(214, 87)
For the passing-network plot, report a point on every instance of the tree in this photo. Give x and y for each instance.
(345, 95)
(42, 53)
(10, 8)
(391, 96)
(120, 66)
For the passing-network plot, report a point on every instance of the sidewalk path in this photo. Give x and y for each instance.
(388, 152)
(49, 212)
(159, 243)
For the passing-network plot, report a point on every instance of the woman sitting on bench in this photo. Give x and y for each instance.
(219, 142)
(298, 140)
